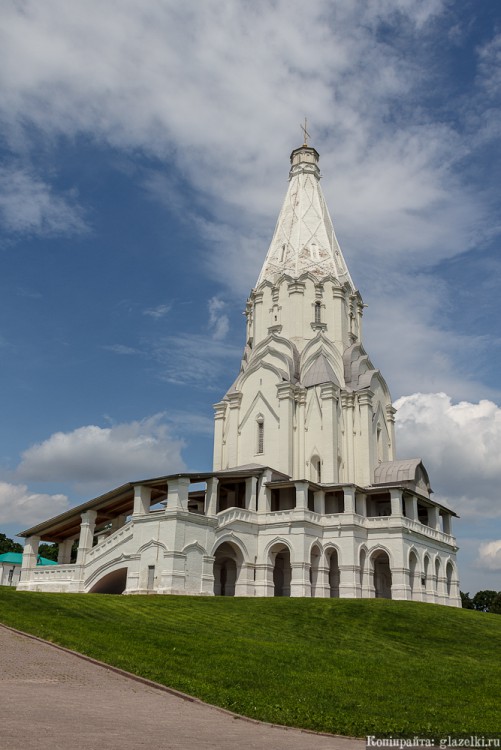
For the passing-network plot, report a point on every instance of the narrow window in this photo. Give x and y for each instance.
(260, 435)
(318, 318)
(282, 254)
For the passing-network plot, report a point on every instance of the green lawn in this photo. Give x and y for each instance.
(335, 665)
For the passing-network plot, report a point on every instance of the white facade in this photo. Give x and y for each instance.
(306, 497)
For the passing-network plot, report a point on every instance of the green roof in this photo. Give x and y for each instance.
(16, 558)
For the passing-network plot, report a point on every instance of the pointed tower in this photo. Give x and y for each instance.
(307, 400)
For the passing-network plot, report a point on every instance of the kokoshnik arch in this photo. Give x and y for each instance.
(306, 496)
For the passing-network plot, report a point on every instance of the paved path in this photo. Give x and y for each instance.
(54, 699)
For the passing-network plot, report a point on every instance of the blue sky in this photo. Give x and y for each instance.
(144, 158)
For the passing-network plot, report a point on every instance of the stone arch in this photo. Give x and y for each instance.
(114, 582)
(380, 563)
(151, 543)
(228, 559)
(279, 556)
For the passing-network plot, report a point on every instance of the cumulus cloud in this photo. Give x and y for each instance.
(29, 205)
(19, 505)
(93, 456)
(489, 556)
(460, 445)
(249, 61)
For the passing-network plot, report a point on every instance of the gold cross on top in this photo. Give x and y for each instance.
(306, 135)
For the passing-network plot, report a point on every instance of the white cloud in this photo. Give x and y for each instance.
(160, 311)
(93, 456)
(219, 97)
(19, 505)
(489, 555)
(30, 205)
(219, 323)
(192, 359)
(121, 349)
(461, 448)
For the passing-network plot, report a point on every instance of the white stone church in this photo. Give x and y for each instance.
(306, 496)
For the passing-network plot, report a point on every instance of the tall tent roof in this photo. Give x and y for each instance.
(304, 240)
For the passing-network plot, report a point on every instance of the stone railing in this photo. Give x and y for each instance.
(235, 514)
(52, 573)
(108, 543)
(385, 522)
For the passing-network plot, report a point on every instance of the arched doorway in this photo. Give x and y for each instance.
(382, 575)
(334, 574)
(281, 559)
(227, 564)
(112, 583)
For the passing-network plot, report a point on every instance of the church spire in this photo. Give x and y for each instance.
(304, 240)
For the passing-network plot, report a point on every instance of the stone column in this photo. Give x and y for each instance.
(301, 495)
(251, 493)
(263, 584)
(118, 522)
(319, 502)
(396, 502)
(411, 510)
(30, 554)
(64, 552)
(244, 585)
(87, 528)
(177, 498)
(211, 496)
(361, 504)
(433, 518)
(349, 499)
(447, 521)
(264, 496)
(142, 500)
(300, 579)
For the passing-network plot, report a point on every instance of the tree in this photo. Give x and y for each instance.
(484, 600)
(466, 600)
(49, 551)
(8, 545)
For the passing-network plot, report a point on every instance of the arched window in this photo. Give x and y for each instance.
(260, 434)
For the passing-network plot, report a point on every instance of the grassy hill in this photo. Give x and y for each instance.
(351, 667)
